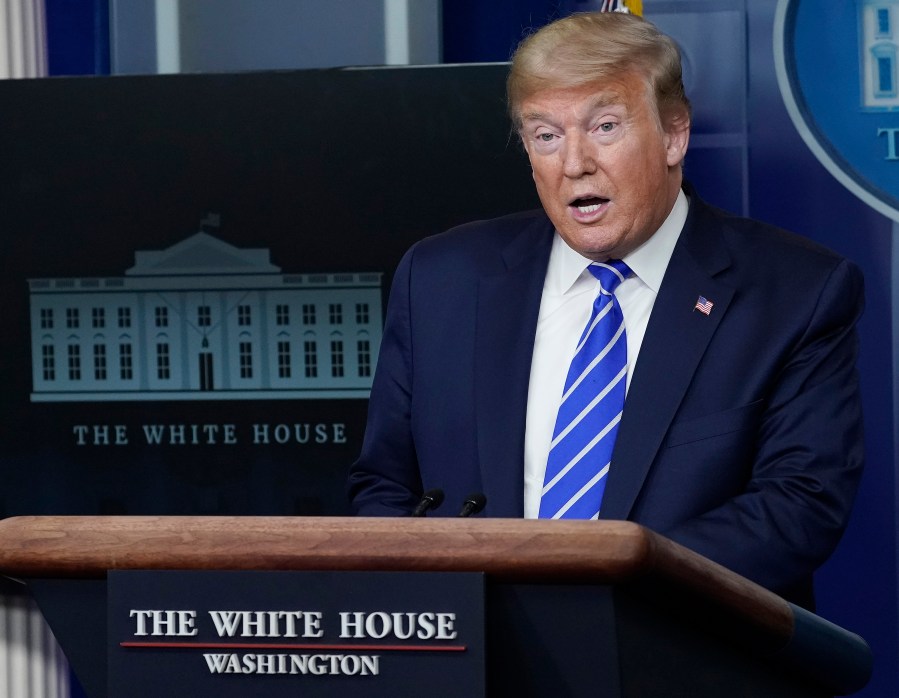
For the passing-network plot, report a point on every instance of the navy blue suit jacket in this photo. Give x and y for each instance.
(741, 435)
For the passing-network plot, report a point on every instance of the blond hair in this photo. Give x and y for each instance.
(591, 46)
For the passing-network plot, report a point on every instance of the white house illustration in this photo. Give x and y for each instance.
(204, 320)
(879, 43)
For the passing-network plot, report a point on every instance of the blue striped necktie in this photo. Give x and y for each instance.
(592, 402)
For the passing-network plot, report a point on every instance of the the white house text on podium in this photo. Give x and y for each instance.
(204, 320)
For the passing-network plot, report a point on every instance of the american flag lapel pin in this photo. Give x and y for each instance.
(703, 305)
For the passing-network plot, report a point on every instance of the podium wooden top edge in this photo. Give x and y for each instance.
(606, 552)
(88, 546)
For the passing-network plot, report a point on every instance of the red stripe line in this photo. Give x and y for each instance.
(274, 646)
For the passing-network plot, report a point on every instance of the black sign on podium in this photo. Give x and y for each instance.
(243, 633)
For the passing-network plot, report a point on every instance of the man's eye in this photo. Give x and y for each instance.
(545, 137)
(607, 126)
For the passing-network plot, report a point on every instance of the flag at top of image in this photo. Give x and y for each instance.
(634, 7)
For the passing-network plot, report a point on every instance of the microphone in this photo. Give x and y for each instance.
(473, 504)
(429, 500)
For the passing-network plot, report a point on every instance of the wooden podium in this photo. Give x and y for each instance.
(561, 595)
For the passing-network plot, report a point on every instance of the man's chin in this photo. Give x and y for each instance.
(594, 244)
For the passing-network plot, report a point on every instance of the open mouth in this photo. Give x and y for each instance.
(588, 204)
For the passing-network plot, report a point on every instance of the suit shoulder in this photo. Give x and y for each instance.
(480, 236)
(768, 246)
(487, 232)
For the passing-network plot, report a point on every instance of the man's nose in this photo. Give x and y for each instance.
(579, 156)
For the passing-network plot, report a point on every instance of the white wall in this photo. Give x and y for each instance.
(23, 39)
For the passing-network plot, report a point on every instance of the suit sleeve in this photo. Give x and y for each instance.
(808, 457)
(385, 480)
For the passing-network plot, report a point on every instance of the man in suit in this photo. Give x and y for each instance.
(740, 436)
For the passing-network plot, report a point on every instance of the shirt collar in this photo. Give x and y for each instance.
(648, 262)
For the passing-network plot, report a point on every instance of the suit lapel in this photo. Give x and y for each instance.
(508, 305)
(676, 338)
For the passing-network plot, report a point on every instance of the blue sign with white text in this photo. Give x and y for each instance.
(838, 70)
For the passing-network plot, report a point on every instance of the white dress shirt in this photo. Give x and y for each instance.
(568, 294)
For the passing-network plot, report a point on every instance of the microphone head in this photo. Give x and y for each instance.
(429, 500)
(475, 502)
(435, 496)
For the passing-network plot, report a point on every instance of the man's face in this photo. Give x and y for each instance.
(606, 172)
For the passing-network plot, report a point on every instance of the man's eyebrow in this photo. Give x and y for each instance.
(533, 116)
(607, 99)
(604, 99)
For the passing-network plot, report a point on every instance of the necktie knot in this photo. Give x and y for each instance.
(609, 274)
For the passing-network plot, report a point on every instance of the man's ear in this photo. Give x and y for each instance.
(677, 138)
